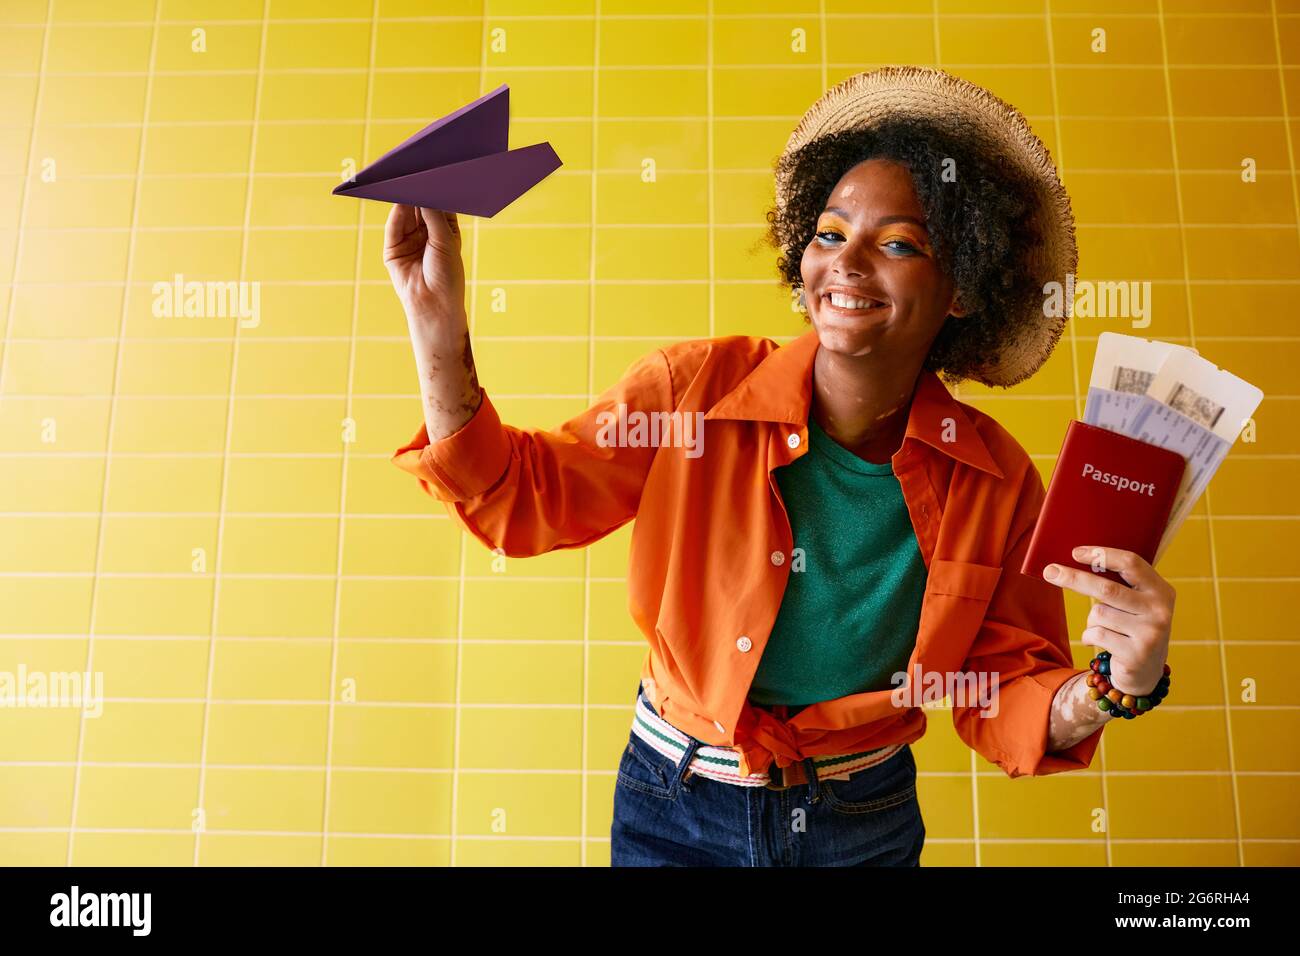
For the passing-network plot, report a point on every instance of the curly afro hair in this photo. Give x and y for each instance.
(981, 223)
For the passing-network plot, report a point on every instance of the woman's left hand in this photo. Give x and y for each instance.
(1133, 623)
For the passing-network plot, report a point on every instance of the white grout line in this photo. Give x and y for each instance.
(550, 120)
(24, 195)
(1209, 524)
(785, 66)
(402, 517)
(1073, 338)
(561, 771)
(709, 108)
(499, 838)
(639, 16)
(540, 643)
(485, 641)
(561, 339)
(590, 339)
(315, 283)
(457, 704)
(462, 536)
(343, 480)
(112, 418)
(226, 456)
(594, 175)
(1220, 226)
(1286, 114)
(957, 393)
(332, 175)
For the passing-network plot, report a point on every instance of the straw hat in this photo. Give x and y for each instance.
(866, 98)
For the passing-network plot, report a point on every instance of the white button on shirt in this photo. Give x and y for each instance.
(778, 558)
(793, 440)
(744, 643)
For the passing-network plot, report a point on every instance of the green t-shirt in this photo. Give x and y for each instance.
(848, 621)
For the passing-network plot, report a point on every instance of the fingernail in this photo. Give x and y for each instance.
(1050, 572)
(1080, 551)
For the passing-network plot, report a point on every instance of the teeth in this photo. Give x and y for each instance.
(844, 302)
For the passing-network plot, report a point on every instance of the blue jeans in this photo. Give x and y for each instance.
(871, 819)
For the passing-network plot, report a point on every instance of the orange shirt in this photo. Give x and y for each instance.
(711, 546)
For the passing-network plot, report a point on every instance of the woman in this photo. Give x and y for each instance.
(823, 534)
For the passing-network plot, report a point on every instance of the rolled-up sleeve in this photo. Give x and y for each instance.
(1024, 644)
(527, 491)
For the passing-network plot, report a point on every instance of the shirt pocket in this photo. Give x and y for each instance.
(957, 596)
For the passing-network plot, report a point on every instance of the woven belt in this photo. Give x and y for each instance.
(723, 763)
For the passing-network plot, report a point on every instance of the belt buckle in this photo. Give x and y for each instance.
(776, 774)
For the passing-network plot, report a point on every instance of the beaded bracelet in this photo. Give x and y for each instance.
(1115, 701)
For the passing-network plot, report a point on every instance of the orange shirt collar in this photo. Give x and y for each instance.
(779, 389)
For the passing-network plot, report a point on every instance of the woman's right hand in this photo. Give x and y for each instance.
(423, 257)
(421, 251)
(422, 254)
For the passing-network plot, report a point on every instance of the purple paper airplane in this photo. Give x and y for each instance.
(460, 163)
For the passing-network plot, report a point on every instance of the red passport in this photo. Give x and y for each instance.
(1109, 490)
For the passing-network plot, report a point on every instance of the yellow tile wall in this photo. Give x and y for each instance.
(300, 645)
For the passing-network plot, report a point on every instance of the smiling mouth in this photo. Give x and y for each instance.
(872, 308)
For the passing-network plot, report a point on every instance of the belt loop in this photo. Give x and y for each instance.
(683, 768)
(813, 789)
